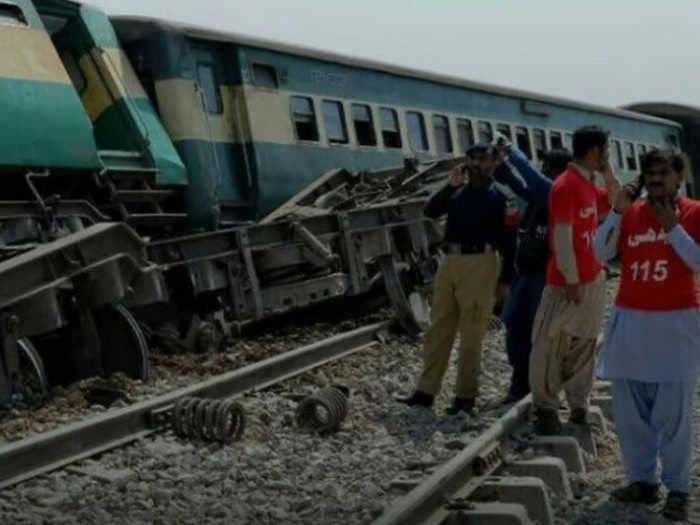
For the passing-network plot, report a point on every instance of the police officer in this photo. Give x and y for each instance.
(473, 277)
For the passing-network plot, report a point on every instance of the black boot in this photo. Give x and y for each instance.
(547, 423)
(676, 507)
(417, 399)
(637, 492)
(461, 404)
(579, 416)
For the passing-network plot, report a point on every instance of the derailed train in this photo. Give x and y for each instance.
(139, 156)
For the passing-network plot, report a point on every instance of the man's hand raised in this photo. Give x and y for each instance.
(622, 201)
(456, 177)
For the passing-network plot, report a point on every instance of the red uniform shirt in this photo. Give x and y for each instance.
(576, 201)
(653, 276)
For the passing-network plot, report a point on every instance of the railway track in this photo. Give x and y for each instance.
(42, 453)
(505, 476)
(382, 457)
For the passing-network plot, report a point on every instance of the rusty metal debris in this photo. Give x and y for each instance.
(208, 419)
(324, 410)
(340, 189)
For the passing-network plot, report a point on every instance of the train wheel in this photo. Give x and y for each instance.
(412, 310)
(35, 382)
(123, 345)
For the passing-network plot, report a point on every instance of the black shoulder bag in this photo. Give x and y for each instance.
(532, 251)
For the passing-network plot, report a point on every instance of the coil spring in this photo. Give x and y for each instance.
(324, 410)
(209, 419)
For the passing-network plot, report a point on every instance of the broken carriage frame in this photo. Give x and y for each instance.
(83, 303)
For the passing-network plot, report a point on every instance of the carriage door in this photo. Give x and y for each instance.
(222, 140)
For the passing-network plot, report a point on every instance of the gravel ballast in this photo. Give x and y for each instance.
(279, 473)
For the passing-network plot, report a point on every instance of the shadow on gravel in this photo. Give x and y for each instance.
(419, 424)
(623, 514)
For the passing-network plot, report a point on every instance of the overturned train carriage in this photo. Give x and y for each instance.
(78, 304)
(140, 153)
(83, 130)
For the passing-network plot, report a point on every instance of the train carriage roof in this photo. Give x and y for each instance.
(681, 113)
(134, 27)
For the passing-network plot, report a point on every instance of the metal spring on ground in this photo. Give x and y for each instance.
(209, 419)
(324, 410)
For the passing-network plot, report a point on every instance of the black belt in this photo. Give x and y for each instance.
(467, 248)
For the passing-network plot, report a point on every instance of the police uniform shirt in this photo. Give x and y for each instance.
(477, 218)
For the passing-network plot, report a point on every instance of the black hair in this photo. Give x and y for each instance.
(480, 147)
(675, 161)
(587, 138)
(557, 159)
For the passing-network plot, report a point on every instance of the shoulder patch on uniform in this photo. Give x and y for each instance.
(513, 216)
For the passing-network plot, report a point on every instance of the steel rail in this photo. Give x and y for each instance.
(48, 451)
(456, 478)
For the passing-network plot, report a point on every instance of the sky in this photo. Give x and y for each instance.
(612, 52)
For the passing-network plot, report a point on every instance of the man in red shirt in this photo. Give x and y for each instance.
(571, 310)
(651, 353)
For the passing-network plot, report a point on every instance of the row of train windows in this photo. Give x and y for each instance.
(334, 120)
(304, 119)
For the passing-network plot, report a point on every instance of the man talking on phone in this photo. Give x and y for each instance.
(473, 277)
(570, 313)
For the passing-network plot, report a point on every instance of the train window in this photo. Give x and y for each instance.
(539, 143)
(504, 129)
(416, 131)
(555, 140)
(334, 117)
(617, 154)
(364, 127)
(391, 135)
(485, 131)
(443, 138)
(12, 14)
(74, 72)
(210, 91)
(523, 141)
(673, 140)
(465, 134)
(264, 76)
(641, 151)
(304, 118)
(569, 141)
(629, 154)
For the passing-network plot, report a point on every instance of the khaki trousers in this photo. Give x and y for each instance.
(564, 345)
(463, 299)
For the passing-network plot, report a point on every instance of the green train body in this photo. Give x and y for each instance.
(241, 125)
(270, 119)
(173, 130)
